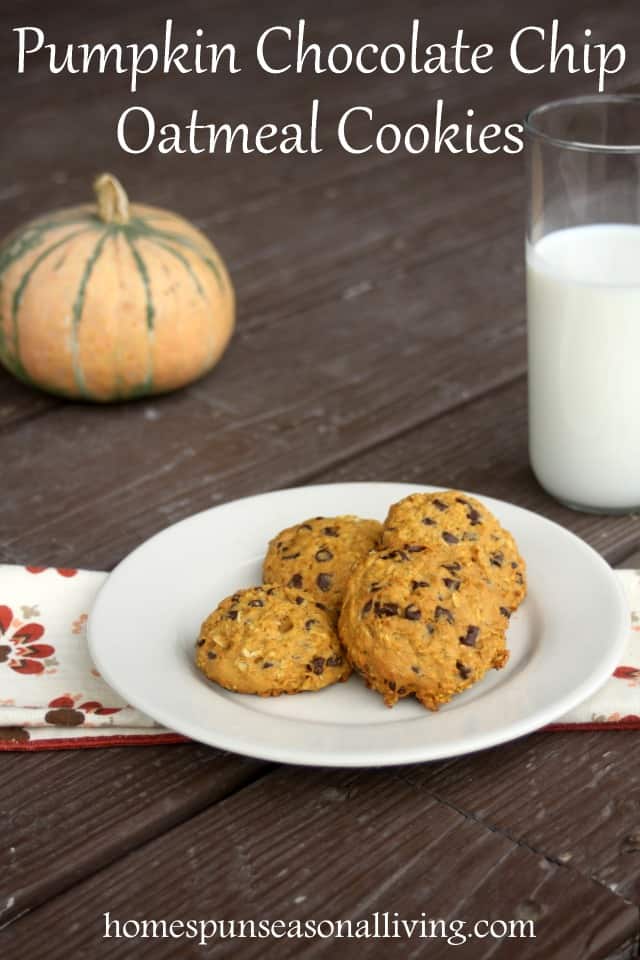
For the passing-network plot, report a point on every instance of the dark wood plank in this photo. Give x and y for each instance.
(382, 306)
(151, 463)
(395, 270)
(482, 446)
(631, 561)
(573, 796)
(346, 845)
(66, 815)
(19, 403)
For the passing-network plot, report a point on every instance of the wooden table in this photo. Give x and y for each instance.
(380, 336)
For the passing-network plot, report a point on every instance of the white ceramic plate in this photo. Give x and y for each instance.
(565, 640)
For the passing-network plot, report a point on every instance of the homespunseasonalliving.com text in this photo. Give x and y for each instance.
(290, 50)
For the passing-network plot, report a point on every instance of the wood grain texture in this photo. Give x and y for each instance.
(346, 845)
(370, 302)
(75, 814)
(151, 463)
(481, 445)
(582, 800)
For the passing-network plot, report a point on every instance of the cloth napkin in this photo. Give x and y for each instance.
(51, 695)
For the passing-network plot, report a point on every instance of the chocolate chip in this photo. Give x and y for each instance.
(290, 556)
(505, 612)
(416, 584)
(320, 606)
(367, 607)
(392, 684)
(465, 672)
(266, 665)
(519, 578)
(256, 603)
(474, 516)
(451, 584)
(412, 612)
(330, 532)
(402, 691)
(232, 615)
(449, 538)
(416, 669)
(212, 655)
(310, 623)
(452, 567)
(322, 556)
(299, 600)
(496, 559)
(316, 666)
(440, 505)
(428, 522)
(395, 555)
(470, 636)
(441, 613)
(201, 642)
(272, 590)
(414, 548)
(514, 565)
(335, 661)
(235, 598)
(375, 587)
(296, 581)
(305, 526)
(386, 609)
(324, 581)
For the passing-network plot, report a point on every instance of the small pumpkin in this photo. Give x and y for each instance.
(112, 301)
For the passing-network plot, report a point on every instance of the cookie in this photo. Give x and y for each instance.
(270, 640)
(460, 524)
(318, 556)
(411, 626)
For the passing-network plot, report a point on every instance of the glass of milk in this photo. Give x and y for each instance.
(583, 300)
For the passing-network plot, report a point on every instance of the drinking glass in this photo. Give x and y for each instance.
(583, 300)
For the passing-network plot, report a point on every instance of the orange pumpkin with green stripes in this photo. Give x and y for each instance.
(112, 301)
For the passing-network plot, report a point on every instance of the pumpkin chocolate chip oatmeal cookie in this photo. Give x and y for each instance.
(270, 640)
(413, 626)
(460, 524)
(318, 556)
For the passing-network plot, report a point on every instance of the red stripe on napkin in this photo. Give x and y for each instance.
(121, 740)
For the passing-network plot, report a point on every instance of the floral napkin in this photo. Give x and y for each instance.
(52, 696)
(617, 703)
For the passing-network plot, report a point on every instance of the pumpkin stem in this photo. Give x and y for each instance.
(113, 202)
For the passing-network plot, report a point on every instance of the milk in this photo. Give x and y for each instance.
(583, 304)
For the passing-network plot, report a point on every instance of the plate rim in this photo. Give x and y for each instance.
(294, 755)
